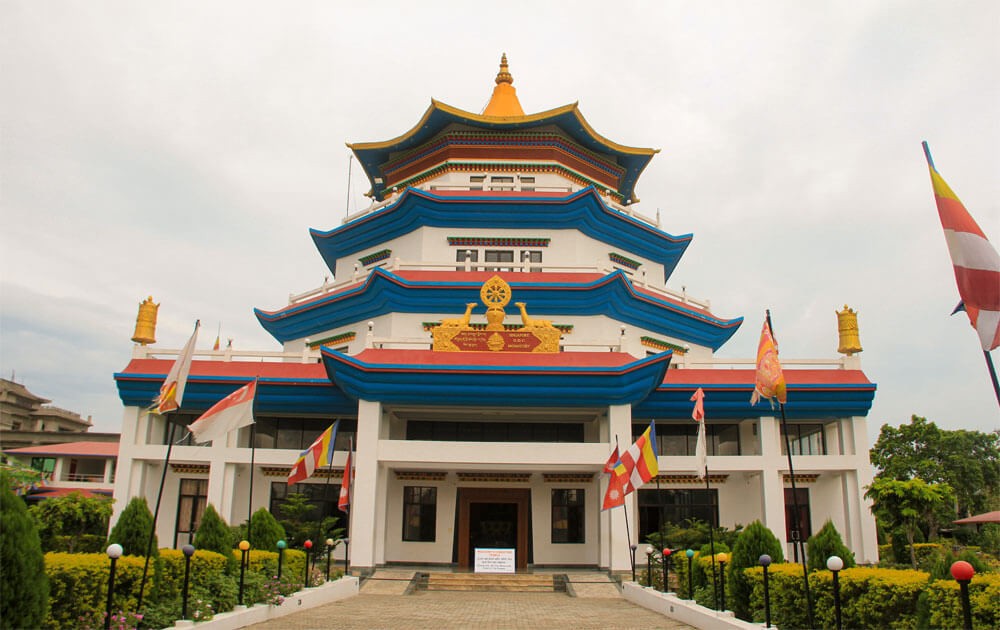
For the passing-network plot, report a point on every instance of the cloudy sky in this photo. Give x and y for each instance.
(182, 151)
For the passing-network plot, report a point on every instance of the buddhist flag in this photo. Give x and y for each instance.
(319, 453)
(344, 502)
(230, 413)
(172, 390)
(770, 381)
(618, 484)
(976, 262)
(640, 459)
(701, 448)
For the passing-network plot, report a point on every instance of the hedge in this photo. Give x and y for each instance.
(943, 600)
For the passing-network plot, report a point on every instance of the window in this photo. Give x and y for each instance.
(499, 256)
(567, 516)
(806, 439)
(530, 181)
(531, 256)
(502, 182)
(419, 513)
(527, 180)
(446, 431)
(43, 464)
(675, 506)
(191, 502)
(322, 496)
(681, 439)
(298, 434)
(477, 179)
(462, 254)
(805, 518)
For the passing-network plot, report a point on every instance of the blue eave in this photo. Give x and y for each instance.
(301, 396)
(490, 385)
(384, 292)
(820, 401)
(584, 211)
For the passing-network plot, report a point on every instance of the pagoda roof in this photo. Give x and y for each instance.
(584, 211)
(550, 294)
(437, 117)
(561, 379)
(281, 385)
(812, 394)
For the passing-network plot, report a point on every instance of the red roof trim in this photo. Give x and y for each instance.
(81, 449)
(744, 379)
(237, 369)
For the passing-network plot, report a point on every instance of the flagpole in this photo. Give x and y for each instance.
(156, 511)
(628, 531)
(253, 452)
(993, 374)
(711, 546)
(798, 544)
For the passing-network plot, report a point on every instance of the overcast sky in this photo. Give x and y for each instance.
(183, 151)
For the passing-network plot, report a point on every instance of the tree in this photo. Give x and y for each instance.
(213, 535)
(300, 524)
(73, 523)
(265, 531)
(133, 528)
(24, 587)
(968, 461)
(905, 504)
(825, 543)
(752, 542)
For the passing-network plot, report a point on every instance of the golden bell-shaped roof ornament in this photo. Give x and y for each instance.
(847, 326)
(145, 323)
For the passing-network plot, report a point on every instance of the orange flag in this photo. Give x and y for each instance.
(770, 381)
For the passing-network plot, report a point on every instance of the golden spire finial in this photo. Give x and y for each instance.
(504, 101)
(504, 75)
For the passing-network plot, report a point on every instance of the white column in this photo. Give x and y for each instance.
(864, 541)
(617, 540)
(772, 483)
(364, 545)
(217, 487)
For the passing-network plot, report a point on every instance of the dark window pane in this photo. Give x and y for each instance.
(419, 513)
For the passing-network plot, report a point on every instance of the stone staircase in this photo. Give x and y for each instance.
(491, 582)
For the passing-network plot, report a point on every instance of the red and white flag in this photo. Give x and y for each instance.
(344, 502)
(172, 390)
(700, 449)
(976, 262)
(232, 412)
(618, 482)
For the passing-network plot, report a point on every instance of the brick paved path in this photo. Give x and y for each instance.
(480, 611)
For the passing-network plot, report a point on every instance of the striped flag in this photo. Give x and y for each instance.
(319, 453)
(172, 390)
(770, 380)
(640, 459)
(701, 448)
(344, 502)
(976, 263)
(230, 413)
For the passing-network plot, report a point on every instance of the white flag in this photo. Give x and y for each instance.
(172, 390)
(232, 412)
(700, 449)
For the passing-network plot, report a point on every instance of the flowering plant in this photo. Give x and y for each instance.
(271, 592)
(119, 621)
(201, 610)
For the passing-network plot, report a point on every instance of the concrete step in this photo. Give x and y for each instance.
(525, 583)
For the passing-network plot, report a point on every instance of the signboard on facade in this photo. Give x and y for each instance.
(494, 560)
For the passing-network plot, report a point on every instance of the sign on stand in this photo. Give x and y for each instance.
(494, 560)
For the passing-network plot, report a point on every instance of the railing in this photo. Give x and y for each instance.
(307, 355)
(682, 361)
(82, 477)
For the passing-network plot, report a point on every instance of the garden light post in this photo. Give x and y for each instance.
(633, 547)
(329, 553)
(114, 552)
(835, 564)
(188, 552)
(962, 571)
(722, 577)
(308, 547)
(281, 555)
(666, 568)
(765, 562)
(649, 566)
(347, 555)
(244, 548)
(690, 556)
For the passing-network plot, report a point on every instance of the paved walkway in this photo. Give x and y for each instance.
(381, 605)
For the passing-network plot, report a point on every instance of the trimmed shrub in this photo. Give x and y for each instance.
(79, 587)
(943, 598)
(265, 531)
(788, 598)
(73, 523)
(204, 566)
(24, 588)
(214, 535)
(133, 528)
(825, 543)
(752, 542)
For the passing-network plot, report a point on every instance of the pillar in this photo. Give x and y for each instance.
(617, 540)
(365, 546)
(772, 482)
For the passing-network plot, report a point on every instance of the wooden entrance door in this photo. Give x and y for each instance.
(501, 498)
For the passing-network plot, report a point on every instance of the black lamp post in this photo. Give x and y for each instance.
(665, 557)
(765, 561)
(633, 547)
(962, 571)
(281, 555)
(347, 555)
(722, 577)
(308, 546)
(690, 556)
(649, 566)
(244, 548)
(188, 552)
(835, 564)
(114, 552)
(329, 553)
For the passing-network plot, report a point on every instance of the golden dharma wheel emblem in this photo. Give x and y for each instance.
(495, 293)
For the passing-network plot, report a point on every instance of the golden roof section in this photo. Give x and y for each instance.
(504, 103)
